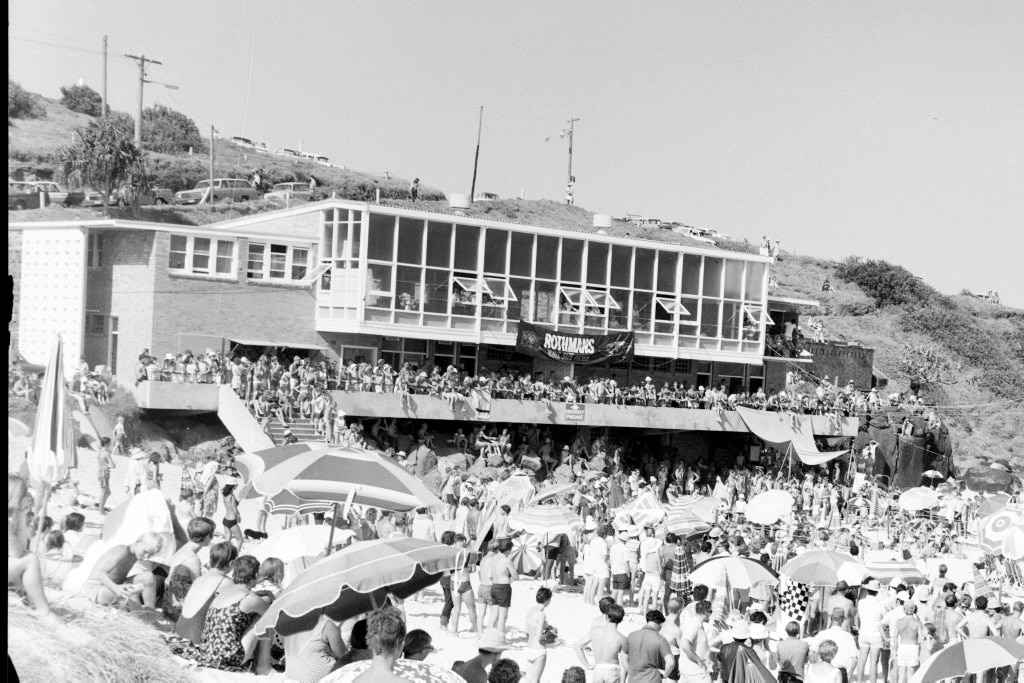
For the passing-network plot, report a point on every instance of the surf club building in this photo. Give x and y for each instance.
(349, 280)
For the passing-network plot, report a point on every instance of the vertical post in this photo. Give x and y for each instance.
(138, 118)
(334, 524)
(103, 110)
(210, 193)
(571, 122)
(476, 159)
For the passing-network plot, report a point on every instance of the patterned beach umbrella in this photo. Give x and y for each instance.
(545, 519)
(971, 656)
(52, 451)
(886, 571)
(821, 567)
(994, 527)
(339, 474)
(645, 509)
(252, 465)
(697, 508)
(525, 555)
(286, 502)
(358, 579)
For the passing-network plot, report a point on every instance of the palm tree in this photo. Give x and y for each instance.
(105, 157)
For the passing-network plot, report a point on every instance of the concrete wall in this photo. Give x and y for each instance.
(178, 396)
(366, 404)
(842, 363)
(243, 426)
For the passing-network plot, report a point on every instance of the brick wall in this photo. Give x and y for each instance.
(842, 362)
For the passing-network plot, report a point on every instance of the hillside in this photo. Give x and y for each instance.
(33, 145)
(874, 304)
(984, 409)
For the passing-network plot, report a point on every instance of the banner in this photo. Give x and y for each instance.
(583, 349)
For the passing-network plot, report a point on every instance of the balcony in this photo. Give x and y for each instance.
(187, 396)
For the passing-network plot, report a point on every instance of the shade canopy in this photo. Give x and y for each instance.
(299, 541)
(742, 572)
(785, 432)
(545, 520)
(823, 568)
(358, 579)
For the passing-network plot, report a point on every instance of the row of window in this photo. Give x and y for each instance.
(207, 256)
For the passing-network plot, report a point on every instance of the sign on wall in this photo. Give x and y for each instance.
(575, 412)
(584, 349)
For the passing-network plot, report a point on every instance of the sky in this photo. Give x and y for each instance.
(880, 129)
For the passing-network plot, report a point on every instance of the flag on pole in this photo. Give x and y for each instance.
(793, 600)
(52, 452)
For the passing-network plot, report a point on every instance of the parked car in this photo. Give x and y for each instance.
(285, 152)
(243, 142)
(19, 198)
(56, 192)
(234, 189)
(485, 197)
(155, 195)
(290, 192)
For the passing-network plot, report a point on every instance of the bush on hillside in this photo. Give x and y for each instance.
(887, 284)
(123, 403)
(21, 104)
(168, 131)
(83, 99)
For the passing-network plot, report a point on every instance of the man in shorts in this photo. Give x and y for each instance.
(618, 559)
(907, 643)
(503, 573)
(869, 617)
(484, 589)
(650, 564)
(104, 463)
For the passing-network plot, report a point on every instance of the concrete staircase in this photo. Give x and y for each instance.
(302, 429)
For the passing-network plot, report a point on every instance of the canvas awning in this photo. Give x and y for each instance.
(783, 431)
(277, 344)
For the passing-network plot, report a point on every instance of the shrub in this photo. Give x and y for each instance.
(887, 284)
(83, 99)
(123, 403)
(22, 104)
(168, 131)
(854, 308)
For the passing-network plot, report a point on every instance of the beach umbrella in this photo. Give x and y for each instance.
(887, 571)
(345, 475)
(515, 491)
(822, 568)
(993, 504)
(551, 492)
(769, 507)
(286, 502)
(299, 541)
(932, 474)
(971, 656)
(987, 480)
(545, 520)
(358, 579)
(742, 572)
(700, 508)
(144, 512)
(994, 527)
(1013, 544)
(252, 465)
(919, 498)
(643, 510)
(52, 451)
(525, 556)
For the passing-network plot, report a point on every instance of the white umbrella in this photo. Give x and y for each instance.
(299, 541)
(919, 498)
(742, 572)
(769, 507)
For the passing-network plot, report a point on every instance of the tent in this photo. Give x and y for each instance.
(787, 433)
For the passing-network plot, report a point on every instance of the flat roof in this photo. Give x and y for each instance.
(791, 300)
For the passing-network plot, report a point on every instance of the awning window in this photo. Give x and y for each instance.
(276, 344)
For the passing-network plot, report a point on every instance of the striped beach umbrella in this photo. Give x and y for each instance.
(52, 451)
(299, 541)
(545, 520)
(971, 656)
(994, 527)
(252, 465)
(696, 508)
(525, 555)
(342, 474)
(886, 571)
(358, 579)
(286, 502)
(645, 509)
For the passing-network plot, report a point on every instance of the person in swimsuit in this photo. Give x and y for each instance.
(109, 580)
(607, 645)
(105, 463)
(186, 566)
(907, 643)
(503, 573)
(822, 671)
(463, 594)
(23, 568)
(192, 613)
(231, 529)
(537, 637)
(484, 589)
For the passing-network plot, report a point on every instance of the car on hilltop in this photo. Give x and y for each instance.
(290, 192)
(233, 189)
(56, 193)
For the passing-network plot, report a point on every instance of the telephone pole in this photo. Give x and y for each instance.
(142, 60)
(476, 159)
(103, 110)
(569, 187)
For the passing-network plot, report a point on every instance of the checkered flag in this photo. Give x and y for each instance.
(793, 599)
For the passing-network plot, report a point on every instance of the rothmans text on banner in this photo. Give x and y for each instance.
(584, 349)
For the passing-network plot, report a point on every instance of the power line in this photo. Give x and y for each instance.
(57, 45)
(57, 35)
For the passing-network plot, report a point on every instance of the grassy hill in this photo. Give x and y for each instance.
(984, 408)
(877, 305)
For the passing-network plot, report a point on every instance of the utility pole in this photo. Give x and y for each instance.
(103, 111)
(213, 133)
(572, 180)
(476, 159)
(142, 60)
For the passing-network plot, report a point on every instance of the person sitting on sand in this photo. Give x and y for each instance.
(200, 595)
(23, 571)
(385, 633)
(109, 581)
(186, 565)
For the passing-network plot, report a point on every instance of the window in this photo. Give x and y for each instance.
(681, 366)
(672, 306)
(95, 250)
(492, 289)
(276, 262)
(193, 255)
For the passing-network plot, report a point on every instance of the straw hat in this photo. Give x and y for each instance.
(740, 631)
(873, 585)
(758, 632)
